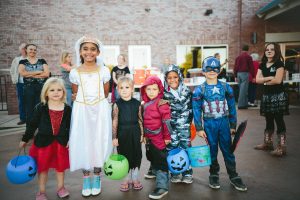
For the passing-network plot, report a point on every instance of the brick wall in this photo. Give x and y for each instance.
(55, 25)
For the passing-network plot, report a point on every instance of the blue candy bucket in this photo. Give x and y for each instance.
(199, 156)
(178, 161)
(21, 169)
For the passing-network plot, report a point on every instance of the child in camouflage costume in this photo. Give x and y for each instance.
(180, 100)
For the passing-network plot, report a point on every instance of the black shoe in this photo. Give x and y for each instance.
(214, 182)
(238, 184)
(21, 122)
(243, 107)
(150, 174)
(158, 193)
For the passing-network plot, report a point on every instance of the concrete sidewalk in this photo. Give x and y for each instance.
(266, 177)
(8, 124)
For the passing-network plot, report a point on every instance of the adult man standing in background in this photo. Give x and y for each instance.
(17, 79)
(242, 67)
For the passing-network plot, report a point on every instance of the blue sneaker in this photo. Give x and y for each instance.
(86, 186)
(96, 189)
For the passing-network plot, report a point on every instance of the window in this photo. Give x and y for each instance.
(211, 50)
(110, 54)
(206, 50)
(182, 51)
(139, 56)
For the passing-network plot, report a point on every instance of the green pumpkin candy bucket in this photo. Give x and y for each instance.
(116, 167)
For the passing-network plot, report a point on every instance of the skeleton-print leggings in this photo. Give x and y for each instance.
(133, 175)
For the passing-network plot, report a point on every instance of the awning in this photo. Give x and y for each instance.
(276, 7)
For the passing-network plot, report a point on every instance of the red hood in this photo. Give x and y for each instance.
(150, 81)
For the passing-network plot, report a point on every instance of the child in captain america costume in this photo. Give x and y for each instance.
(213, 103)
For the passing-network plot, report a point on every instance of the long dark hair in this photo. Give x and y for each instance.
(277, 55)
(81, 58)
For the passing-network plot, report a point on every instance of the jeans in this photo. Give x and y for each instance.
(243, 80)
(20, 94)
(32, 93)
(162, 179)
(117, 96)
(69, 96)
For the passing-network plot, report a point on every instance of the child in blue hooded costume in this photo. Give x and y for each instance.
(214, 104)
(180, 100)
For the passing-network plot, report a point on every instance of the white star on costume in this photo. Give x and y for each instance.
(216, 90)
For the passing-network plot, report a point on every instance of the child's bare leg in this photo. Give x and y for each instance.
(42, 179)
(60, 177)
(62, 192)
(135, 178)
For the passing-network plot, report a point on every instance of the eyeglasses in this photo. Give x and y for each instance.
(212, 69)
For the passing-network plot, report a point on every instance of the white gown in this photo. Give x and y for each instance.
(90, 141)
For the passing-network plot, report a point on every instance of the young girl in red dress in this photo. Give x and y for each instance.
(50, 148)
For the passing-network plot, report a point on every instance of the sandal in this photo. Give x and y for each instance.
(137, 185)
(124, 187)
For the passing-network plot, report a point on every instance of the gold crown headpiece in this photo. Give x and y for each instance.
(95, 41)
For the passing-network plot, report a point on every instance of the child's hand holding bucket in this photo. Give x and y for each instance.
(201, 134)
(22, 144)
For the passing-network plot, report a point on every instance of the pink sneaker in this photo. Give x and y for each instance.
(63, 192)
(40, 196)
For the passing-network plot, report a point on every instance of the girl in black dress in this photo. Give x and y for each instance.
(128, 131)
(274, 103)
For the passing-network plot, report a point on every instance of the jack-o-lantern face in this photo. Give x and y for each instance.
(31, 171)
(108, 170)
(116, 167)
(178, 163)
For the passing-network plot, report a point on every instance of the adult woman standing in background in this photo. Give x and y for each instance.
(66, 66)
(35, 72)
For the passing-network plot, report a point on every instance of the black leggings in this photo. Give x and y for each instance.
(278, 117)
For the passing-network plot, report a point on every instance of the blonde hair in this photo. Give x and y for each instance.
(123, 57)
(48, 83)
(125, 79)
(63, 57)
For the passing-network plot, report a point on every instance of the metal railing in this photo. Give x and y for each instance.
(3, 92)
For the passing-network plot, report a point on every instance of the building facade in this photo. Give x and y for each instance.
(157, 26)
